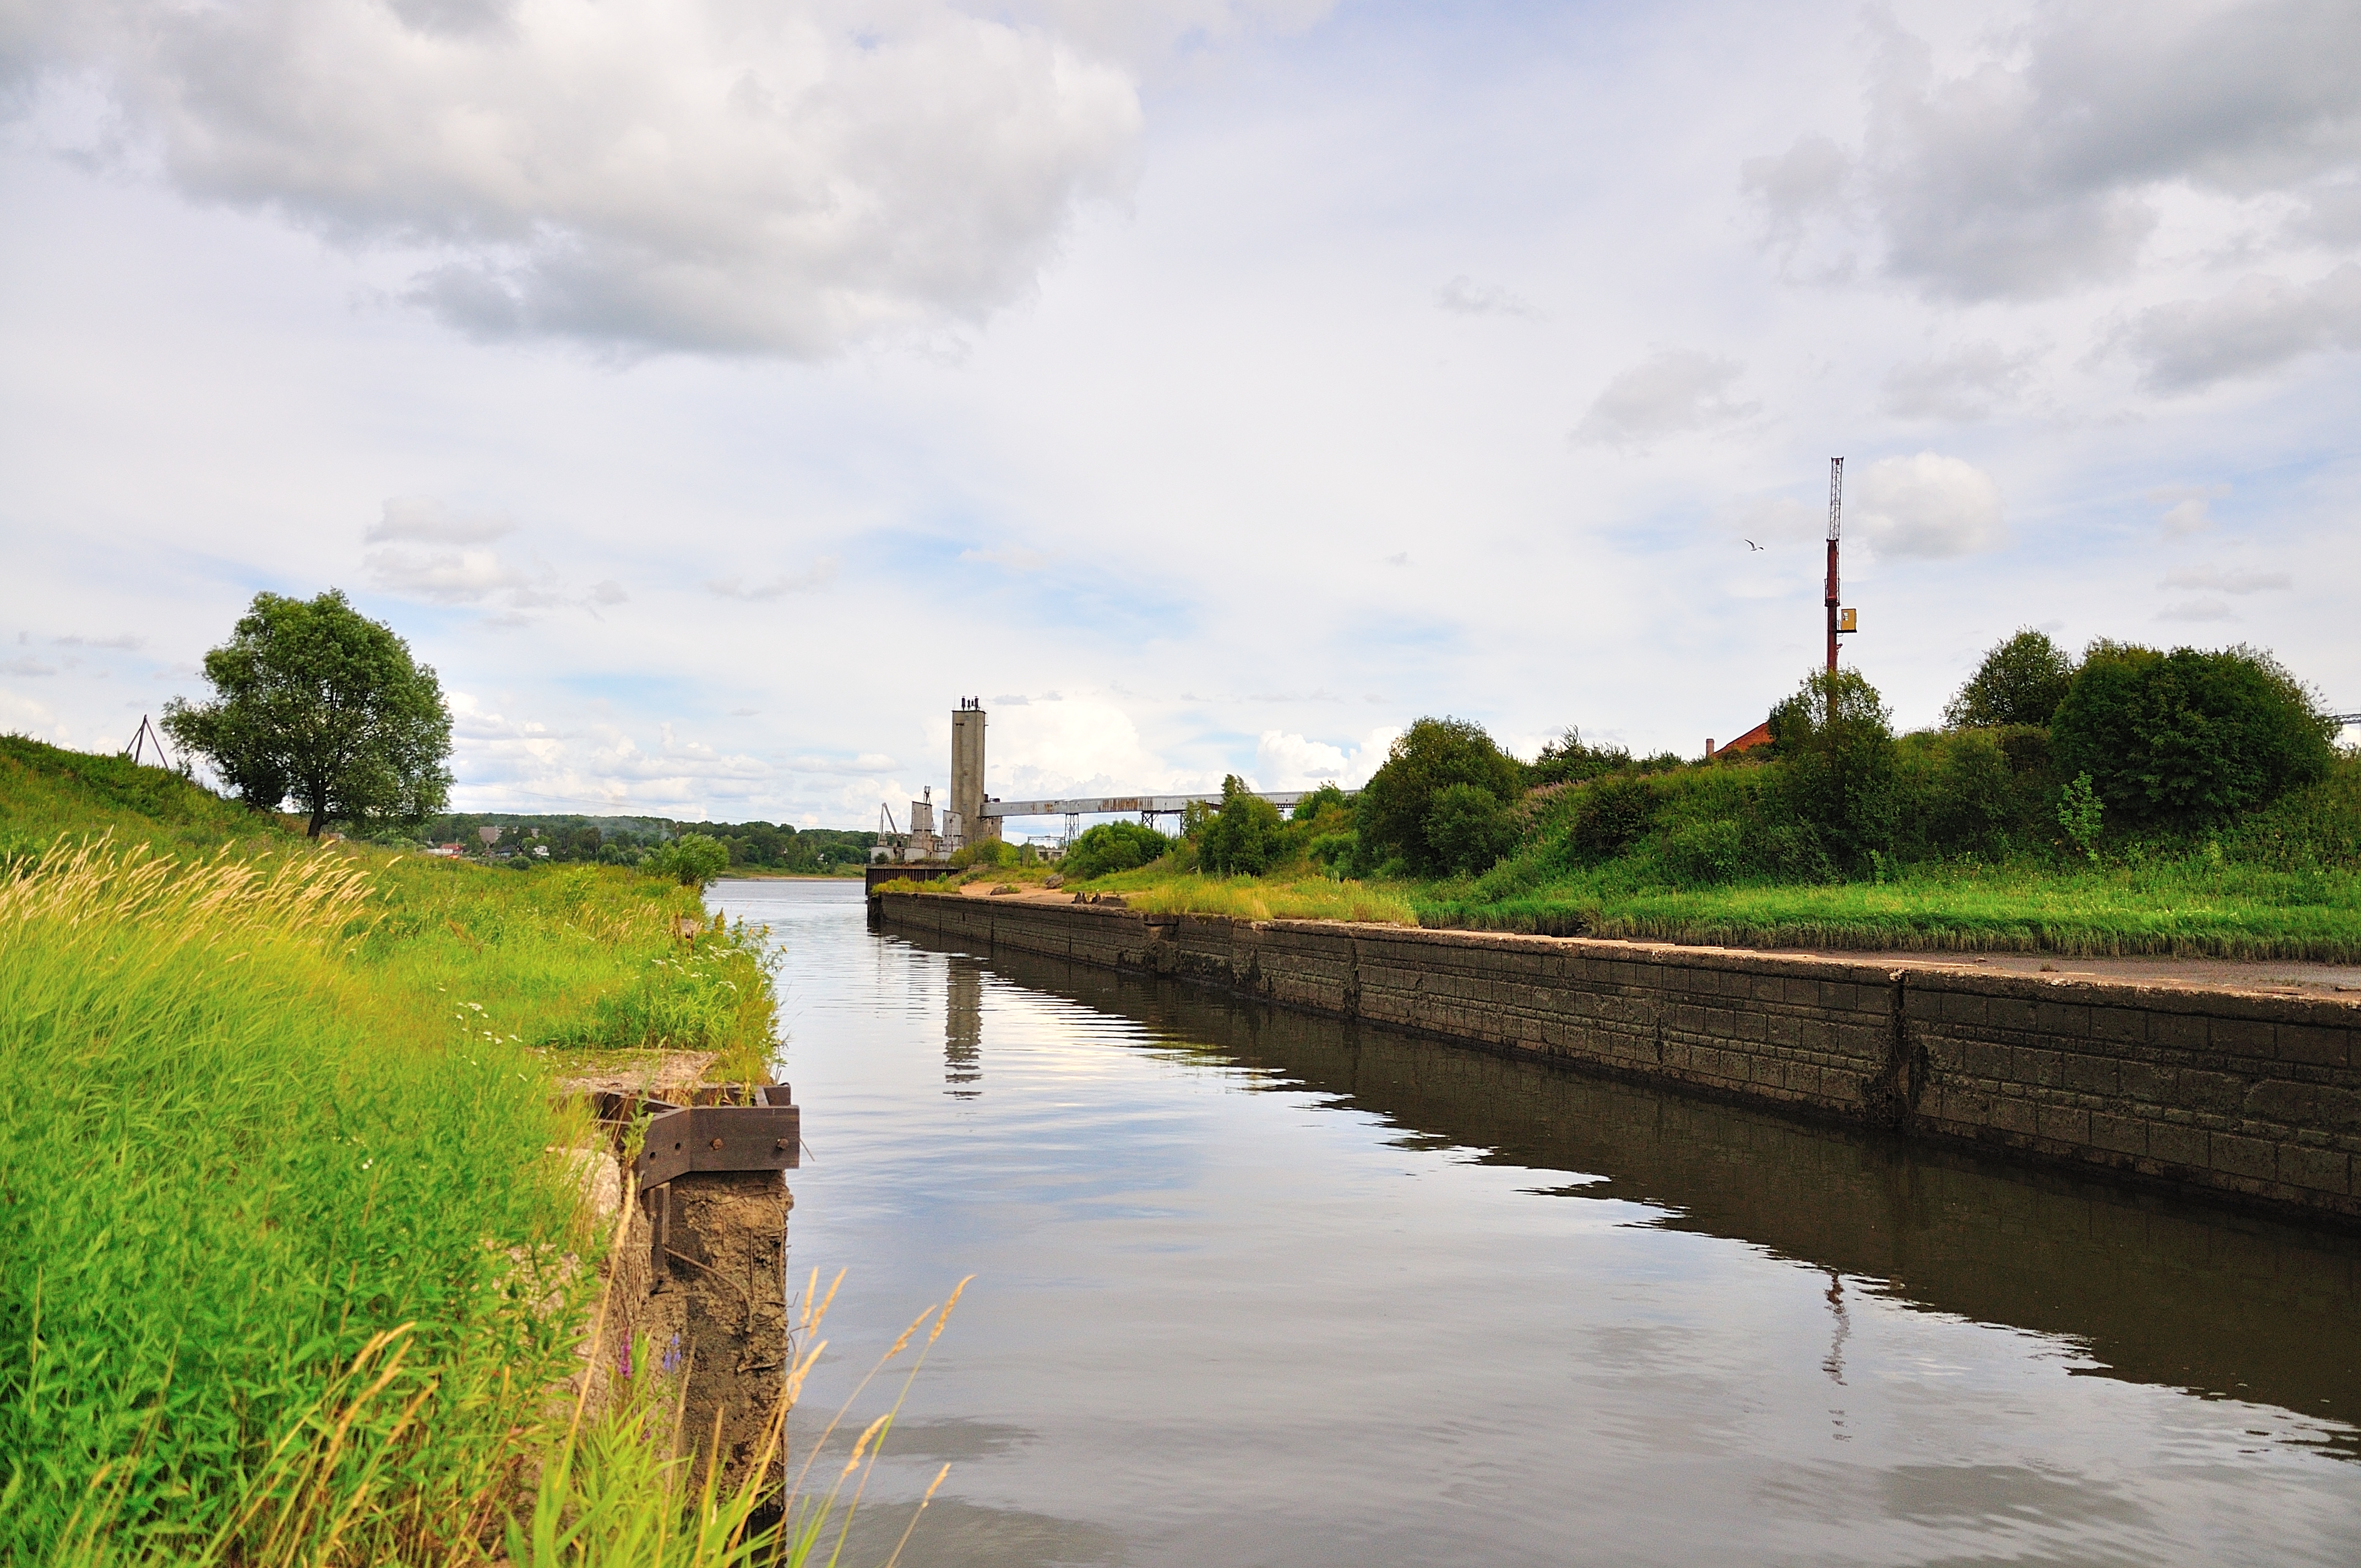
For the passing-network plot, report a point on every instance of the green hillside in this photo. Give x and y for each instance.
(46, 790)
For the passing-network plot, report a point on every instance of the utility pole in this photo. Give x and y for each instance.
(1836, 526)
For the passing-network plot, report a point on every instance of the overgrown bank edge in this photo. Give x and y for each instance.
(291, 1253)
(2182, 804)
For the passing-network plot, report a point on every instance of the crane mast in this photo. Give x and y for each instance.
(1836, 526)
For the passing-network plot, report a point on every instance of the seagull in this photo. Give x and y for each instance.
(1751, 545)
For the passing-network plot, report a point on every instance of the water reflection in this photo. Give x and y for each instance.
(2160, 1291)
(963, 1028)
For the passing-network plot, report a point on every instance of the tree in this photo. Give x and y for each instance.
(1112, 847)
(1837, 739)
(693, 859)
(1468, 828)
(2187, 737)
(2021, 681)
(315, 701)
(1245, 835)
(1393, 808)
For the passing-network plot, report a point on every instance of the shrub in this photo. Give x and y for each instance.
(1337, 852)
(1468, 828)
(1245, 834)
(1706, 851)
(1433, 754)
(1318, 801)
(2189, 738)
(1567, 760)
(1835, 738)
(995, 853)
(1112, 847)
(692, 859)
(2021, 681)
(1611, 816)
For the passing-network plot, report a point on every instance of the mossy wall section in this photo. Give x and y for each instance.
(2205, 1091)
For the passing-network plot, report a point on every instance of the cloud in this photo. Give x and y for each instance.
(122, 640)
(1966, 384)
(607, 592)
(1926, 508)
(649, 174)
(2260, 324)
(2187, 507)
(2196, 610)
(422, 519)
(1465, 297)
(26, 666)
(1798, 190)
(869, 764)
(2215, 580)
(1284, 761)
(2036, 168)
(445, 577)
(818, 576)
(1677, 392)
(23, 715)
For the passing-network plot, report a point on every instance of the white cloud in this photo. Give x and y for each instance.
(2214, 579)
(812, 578)
(1674, 392)
(23, 715)
(1800, 191)
(2261, 324)
(422, 519)
(2196, 610)
(1465, 297)
(2187, 507)
(2038, 167)
(654, 175)
(445, 577)
(27, 666)
(869, 764)
(1285, 762)
(1081, 745)
(124, 641)
(1966, 384)
(1928, 507)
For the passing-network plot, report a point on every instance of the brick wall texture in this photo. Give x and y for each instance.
(2256, 1097)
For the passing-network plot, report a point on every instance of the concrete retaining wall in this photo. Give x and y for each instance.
(2254, 1097)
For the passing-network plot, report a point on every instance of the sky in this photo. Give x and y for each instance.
(715, 394)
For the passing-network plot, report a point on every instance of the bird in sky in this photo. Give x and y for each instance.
(1751, 545)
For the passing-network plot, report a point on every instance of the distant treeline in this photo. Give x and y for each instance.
(628, 840)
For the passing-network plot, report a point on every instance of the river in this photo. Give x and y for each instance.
(1257, 1288)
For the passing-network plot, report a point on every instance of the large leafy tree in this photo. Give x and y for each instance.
(2190, 737)
(315, 702)
(2021, 681)
(1396, 809)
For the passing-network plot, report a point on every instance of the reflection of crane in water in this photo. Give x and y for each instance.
(1834, 1364)
(963, 1028)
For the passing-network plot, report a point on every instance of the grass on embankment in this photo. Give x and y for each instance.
(271, 1107)
(2284, 882)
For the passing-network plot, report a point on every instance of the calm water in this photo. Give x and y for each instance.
(1253, 1288)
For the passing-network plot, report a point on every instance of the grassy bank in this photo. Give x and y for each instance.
(1604, 858)
(288, 1265)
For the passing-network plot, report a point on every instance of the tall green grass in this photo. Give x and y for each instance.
(234, 1167)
